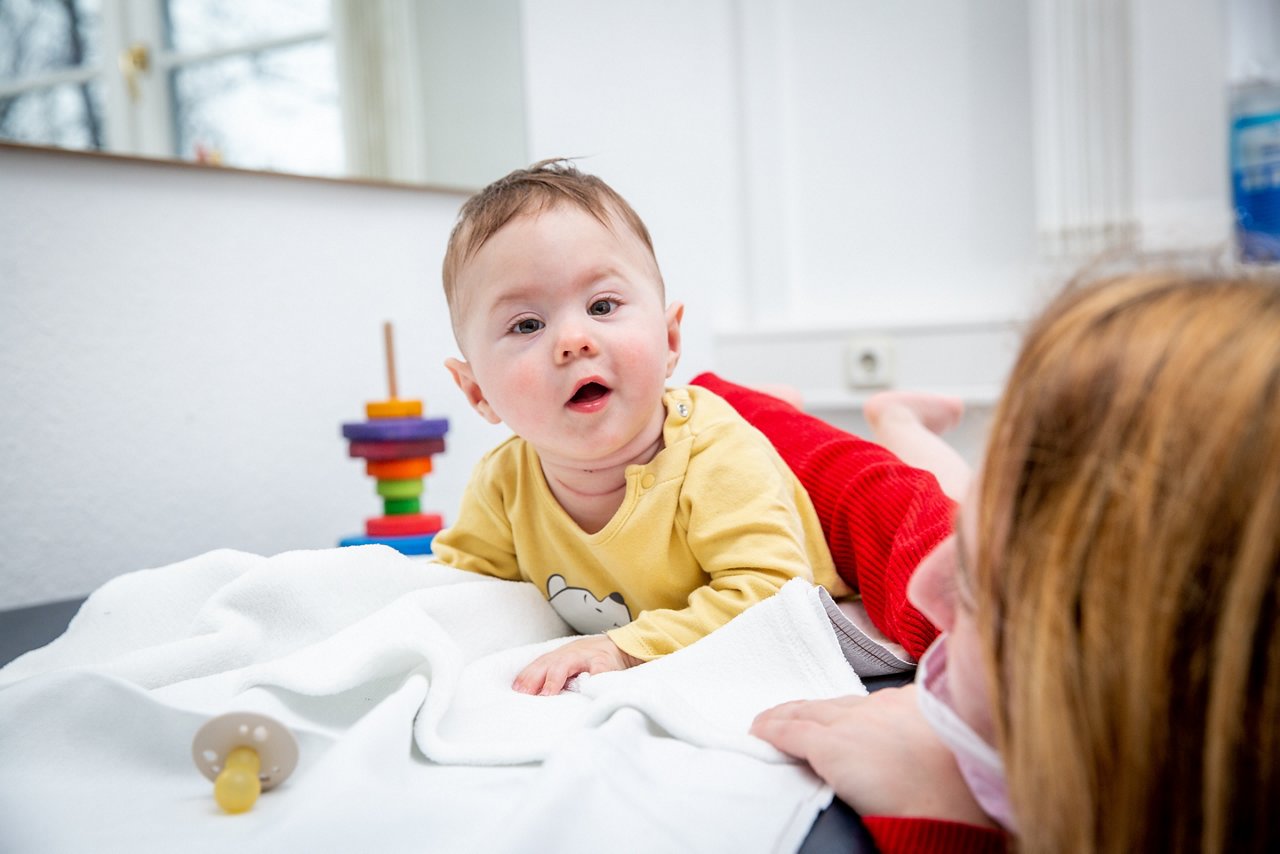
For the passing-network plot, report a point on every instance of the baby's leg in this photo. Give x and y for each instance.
(908, 423)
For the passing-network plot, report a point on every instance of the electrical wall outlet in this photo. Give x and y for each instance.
(869, 362)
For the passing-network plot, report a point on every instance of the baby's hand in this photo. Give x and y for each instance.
(547, 674)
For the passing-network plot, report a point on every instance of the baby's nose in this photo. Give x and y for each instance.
(574, 343)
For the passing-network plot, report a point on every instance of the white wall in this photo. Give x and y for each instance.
(889, 197)
(478, 117)
(1181, 64)
(905, 186)
(178, 347)
(888, 173)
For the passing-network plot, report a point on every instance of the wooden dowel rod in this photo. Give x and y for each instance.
(388, 340)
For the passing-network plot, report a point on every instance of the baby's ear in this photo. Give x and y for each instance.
(466, 380)
(675, 313)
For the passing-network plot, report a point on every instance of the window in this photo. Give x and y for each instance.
(240, 82)
(50, 59)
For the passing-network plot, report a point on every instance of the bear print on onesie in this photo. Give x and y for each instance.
(580, 608)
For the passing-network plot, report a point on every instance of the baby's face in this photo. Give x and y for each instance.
(566, 337)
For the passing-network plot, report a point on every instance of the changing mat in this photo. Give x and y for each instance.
(394, 674)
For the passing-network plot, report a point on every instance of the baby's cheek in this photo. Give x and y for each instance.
(515, 391)
(642, 356)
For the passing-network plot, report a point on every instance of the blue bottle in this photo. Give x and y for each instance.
(1255, 170)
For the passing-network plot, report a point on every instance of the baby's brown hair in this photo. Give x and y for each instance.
(539, 187)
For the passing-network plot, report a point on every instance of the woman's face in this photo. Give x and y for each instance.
(942, 588)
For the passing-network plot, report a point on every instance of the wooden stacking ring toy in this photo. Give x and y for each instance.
(397, 444)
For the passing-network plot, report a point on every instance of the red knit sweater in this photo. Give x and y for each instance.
(880, 517)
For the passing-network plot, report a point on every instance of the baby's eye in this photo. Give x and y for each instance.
(527, 326)
(602, 307)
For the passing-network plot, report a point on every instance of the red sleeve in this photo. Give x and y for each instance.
(880, 516)
(928, 835)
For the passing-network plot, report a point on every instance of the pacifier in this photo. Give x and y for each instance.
(244, 754)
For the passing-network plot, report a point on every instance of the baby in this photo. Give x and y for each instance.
(649, 516)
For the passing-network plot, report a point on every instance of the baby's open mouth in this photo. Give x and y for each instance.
(588, 393)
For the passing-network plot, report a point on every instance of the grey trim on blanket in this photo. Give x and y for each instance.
(866, 656)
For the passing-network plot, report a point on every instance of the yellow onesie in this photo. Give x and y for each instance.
(714, 523)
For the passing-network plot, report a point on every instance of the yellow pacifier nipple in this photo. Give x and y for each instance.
(237, 785)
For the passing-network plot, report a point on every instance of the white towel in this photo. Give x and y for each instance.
(395, 676)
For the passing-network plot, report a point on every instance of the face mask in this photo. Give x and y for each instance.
(979, 763)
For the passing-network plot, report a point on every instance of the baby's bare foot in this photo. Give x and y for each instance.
(937, 412)
(787, 393)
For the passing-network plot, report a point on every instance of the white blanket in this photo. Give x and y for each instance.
(395, 674)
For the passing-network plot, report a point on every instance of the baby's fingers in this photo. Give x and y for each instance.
(547, 674)
(560, 672)
(531, 679)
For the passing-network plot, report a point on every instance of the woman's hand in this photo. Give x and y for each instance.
(547, 674)
(877, 752)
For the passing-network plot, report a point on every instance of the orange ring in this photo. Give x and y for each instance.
(398, 469)
(393, 408)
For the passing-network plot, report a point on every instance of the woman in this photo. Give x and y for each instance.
(1111, 601)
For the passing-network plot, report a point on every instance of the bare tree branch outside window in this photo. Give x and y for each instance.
(42, 36)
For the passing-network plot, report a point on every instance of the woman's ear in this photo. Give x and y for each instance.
(466, 380)
(675, 314)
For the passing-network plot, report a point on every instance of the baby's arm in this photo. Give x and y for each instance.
(549, 673)
(745, 535)
(481, 541)
(480, 538)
